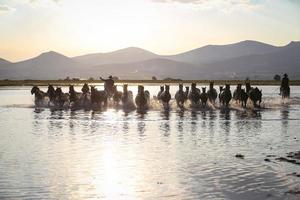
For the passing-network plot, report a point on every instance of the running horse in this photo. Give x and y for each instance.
(39, 95)
(285, 88)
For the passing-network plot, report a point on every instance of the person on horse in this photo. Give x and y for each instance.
(109, 85)
(285, 86)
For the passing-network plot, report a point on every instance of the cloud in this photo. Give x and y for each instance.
(224, 5)
(5, 8)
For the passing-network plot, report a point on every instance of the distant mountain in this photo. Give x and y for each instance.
(4, 62)
(234, 61)
(215, 53)
(45, 66)
(131, 54)
(285, 60)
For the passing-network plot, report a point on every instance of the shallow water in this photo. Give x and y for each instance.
(158, 155)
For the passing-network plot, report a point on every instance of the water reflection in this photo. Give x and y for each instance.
(165, 123)
(225, 120)
(141, 128)
(284, 114)
(194, 124)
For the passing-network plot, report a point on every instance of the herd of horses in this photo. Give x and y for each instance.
(92, 98)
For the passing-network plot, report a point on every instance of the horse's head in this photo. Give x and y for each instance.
(227, 87)
(35, 89)
(85, 88)
(167, 88)
(71, 89)
(187, 88)
(180, 87)
(50, 88)
(58, 91)
(162, 88)
(193, 86)
(140, 89)
(93, 88)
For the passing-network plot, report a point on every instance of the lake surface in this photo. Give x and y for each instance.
(158, 155)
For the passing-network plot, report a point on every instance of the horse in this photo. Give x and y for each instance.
(39, 95)
(225, 95)
(165, 97)
(180, 96)
(85, 88)
(74, 96)
(78, 99)
(127, 98)
(255, 96)
(244, 97)
(142, 99)
(203, 97)
(285, 92)
(194, 94)
(187, 89)
(51, 93)
(212, 93)
(160, 92)
(61, 99)
(98, 98)
(117, 95)
(237, 94)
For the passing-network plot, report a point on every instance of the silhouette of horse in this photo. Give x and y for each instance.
(244, 97)
(194, 95)
(212, 93)
(85, 89)
(203, 97)
(117, 95)
(160, 92)
(127, 98)
(187, 89)
(142, 100)
(285, 92)
(61, 99)
(255, 95)
(180, 96)
(237, 93)
(78, 99)
(98, 98)
(165, 97)
(74, 96)
(51, 93)
(38, 95)
(225, 95)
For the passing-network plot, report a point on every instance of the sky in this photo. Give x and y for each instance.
(75, 27)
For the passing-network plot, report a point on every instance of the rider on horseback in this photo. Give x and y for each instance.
(285, 86)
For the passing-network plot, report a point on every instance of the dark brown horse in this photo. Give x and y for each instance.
(212, 93)
(203, 97)
(98, 98)
(194, 94)
(39, 95)
(142, 99)
(180, 96)
(166, 96)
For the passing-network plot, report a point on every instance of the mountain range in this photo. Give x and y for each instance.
(248, 58)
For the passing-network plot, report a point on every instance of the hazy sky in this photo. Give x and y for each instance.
(74, 27)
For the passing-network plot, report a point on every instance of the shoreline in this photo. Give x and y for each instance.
(172, 82)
